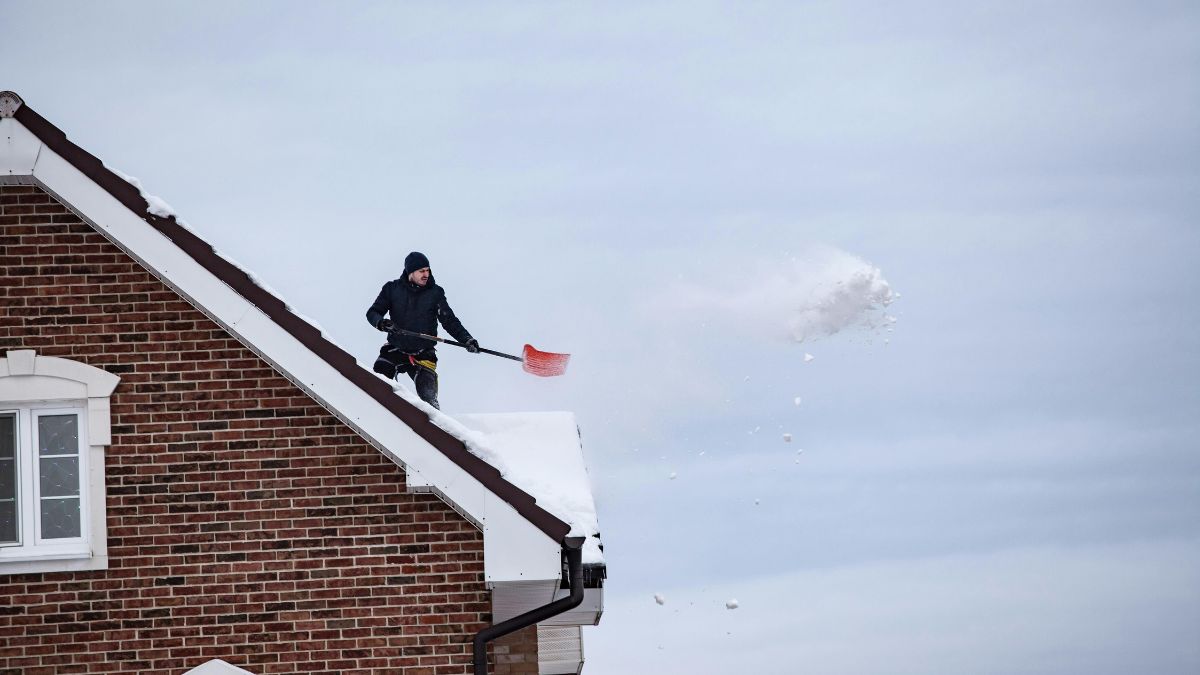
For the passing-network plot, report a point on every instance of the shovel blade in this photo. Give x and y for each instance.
(543, 364)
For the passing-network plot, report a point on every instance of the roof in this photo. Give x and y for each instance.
(546, 451)
(420, 419)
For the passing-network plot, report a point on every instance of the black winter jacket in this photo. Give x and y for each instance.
(416, 308)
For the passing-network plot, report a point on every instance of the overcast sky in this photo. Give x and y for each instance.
(1007, 482)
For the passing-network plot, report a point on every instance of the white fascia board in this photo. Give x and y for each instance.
(19, 148)
(509, 549)
(513, 547)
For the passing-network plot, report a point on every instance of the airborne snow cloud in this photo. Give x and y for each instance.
(800, 297)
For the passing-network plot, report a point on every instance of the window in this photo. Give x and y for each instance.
(54, 427)
(41, 461)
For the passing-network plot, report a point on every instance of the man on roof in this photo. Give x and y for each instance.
(416, 303)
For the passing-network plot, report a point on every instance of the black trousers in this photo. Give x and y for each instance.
(392, 361)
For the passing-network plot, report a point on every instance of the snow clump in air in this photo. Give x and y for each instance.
(787, 438)
(818, 293)
(658, 597)
(829, 292)
(731, 604)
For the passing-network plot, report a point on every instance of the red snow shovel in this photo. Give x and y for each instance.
(542, 364)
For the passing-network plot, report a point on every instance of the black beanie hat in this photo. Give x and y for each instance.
(415, 261)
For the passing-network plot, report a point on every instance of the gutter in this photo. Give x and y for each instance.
(573, 552)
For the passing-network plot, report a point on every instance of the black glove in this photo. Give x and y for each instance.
(385, 325)
(472, 345)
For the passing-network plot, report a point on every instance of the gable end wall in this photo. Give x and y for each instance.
(245, 522)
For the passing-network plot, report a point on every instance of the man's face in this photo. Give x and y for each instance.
(419, 277)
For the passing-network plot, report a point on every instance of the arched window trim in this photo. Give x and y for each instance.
(29, 381)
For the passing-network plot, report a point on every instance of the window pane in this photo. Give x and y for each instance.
(60, 518)
(58, 434)
(8, 522)
(8, 479)
(59, 476)
(8, 436)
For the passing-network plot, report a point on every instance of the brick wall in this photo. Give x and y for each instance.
(517, 653)
(245, 522)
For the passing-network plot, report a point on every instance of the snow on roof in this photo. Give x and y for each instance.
(154, 204)
(541, 453)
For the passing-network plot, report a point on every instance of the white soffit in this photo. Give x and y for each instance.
(515, 549)
(513, 598)
(560, 650)
(586, 614)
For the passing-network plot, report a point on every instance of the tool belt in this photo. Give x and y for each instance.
(424, 363)
(392, 359)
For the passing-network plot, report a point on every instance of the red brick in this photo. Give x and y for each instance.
(245, 522)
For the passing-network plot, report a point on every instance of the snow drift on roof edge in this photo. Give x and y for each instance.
(544, 459)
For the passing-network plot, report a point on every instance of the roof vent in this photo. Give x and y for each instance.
(9, 102)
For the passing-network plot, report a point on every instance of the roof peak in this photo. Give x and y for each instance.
(9, 102)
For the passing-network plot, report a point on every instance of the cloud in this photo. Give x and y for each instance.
(802, 298)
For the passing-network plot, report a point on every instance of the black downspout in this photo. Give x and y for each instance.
(573, 549)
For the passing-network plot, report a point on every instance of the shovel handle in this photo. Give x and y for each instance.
(411, 333)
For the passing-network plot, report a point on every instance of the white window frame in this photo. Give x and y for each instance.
(29, 486)
(32, 386)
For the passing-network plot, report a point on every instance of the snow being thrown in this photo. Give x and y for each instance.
(829, 292)
(796, 297)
